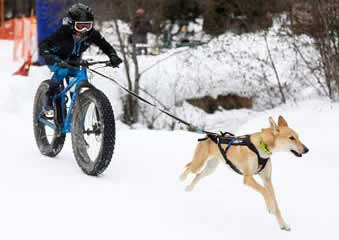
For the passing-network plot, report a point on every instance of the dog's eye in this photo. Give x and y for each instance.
(292, 138)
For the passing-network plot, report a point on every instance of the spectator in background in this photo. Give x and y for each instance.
(140, 27)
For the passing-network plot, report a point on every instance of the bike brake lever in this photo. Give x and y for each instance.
(84, 63)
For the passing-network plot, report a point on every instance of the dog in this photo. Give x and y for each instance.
(279, 137)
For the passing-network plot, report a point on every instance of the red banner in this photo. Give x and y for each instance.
(25, 42)
(7, 30)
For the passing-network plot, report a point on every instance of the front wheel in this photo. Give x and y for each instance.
(93, 132)
(49, 142)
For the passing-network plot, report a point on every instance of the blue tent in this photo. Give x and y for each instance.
(49, 18)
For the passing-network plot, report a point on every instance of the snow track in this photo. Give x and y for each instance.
(140, 195)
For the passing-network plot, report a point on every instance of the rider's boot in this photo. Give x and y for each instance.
(48, 100)
(48, 106)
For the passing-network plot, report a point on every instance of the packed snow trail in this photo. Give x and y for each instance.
(140, 197)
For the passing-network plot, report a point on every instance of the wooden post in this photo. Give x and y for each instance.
(2, 18)
(2, 11)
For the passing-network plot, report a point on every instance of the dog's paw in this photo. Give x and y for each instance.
(189, 188)
(286, 228)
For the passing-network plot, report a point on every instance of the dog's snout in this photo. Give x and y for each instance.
(306, 149)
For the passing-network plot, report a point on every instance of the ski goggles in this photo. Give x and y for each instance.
(83, 26)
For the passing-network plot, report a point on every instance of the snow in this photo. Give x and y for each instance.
(140, 197)
(231, 64)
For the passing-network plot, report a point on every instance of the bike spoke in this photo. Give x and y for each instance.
(92, 131)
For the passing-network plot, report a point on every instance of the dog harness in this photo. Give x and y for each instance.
(229, 139)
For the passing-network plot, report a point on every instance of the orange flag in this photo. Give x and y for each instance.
(24, 69)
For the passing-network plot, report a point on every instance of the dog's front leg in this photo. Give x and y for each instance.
(250, 181)
(266, 178)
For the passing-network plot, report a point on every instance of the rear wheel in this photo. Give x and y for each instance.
(47, 139)
(93, 132)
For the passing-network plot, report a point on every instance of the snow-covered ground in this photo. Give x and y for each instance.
(140, 196)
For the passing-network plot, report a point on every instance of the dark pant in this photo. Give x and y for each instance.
(59, 75)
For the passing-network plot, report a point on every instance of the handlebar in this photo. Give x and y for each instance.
(83, 63)
(87, 63)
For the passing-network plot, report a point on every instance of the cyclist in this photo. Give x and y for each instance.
(67, 45)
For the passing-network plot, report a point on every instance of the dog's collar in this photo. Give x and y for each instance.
(263, 147)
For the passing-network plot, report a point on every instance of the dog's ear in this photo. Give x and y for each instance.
(274, 126)
(282, 122)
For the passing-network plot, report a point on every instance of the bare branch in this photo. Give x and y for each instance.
(275, 70)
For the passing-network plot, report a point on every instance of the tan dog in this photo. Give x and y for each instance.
(276, 138)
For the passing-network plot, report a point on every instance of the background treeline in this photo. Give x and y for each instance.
(219, 15)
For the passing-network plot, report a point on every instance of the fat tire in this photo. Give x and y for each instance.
(53, 148)
(104, 108)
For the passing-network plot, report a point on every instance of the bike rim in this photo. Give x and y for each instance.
(93, 129)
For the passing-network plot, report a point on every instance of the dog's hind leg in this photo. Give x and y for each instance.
(210, 167)
(200, 156)
(184, 175)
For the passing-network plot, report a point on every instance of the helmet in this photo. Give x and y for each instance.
(81, 13)
(81, 17)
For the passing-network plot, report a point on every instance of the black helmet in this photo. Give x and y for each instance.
(81, 13)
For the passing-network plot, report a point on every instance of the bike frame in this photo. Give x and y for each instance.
(66, 123)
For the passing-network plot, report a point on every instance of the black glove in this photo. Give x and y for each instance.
(115, 60)
(63, 64)
(49, 59)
